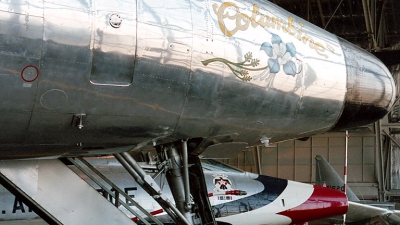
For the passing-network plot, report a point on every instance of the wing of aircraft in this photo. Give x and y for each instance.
(107, 77)
(358, 210)
(236, 197)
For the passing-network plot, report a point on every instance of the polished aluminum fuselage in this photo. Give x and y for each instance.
(149, 72)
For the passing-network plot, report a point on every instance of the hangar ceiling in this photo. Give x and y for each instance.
(370, 24)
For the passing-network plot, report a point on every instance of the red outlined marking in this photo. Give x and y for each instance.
(31, 80)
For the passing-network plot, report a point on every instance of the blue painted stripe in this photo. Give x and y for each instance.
(273, 187)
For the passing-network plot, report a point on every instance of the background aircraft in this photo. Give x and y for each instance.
(360, 211)
(101, 77)
(236, 197)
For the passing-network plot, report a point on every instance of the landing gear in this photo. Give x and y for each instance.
(187, 182)
(185, 178)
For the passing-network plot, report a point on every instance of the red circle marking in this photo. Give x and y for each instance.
(26, 67)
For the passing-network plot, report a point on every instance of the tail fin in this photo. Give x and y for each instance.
(325, 174)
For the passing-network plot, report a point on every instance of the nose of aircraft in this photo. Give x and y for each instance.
(323, 203)
(370, 88)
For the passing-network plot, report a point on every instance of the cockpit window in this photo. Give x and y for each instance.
(213, 165)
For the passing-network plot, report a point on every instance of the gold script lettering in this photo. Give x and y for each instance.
(320, 49)
(242, 22)
(239, 17)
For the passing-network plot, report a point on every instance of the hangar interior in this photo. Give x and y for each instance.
(373, 151)
(295, 160)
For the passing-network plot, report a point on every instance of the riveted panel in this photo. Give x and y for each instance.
(21, 37)
(114, 43)
(158, 13)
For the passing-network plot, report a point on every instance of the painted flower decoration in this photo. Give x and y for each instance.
(280, 54)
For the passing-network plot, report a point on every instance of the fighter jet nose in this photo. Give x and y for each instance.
(323, 203)
(370, 88)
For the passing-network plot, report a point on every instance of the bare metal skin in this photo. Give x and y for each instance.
(88, 76)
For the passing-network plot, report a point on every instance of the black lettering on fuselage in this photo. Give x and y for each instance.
(110, 198)
(18, 205)
(102, 192)
(127, 190)
(341, 188)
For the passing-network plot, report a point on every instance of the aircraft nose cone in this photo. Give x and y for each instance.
(370, 88)
(324, 202)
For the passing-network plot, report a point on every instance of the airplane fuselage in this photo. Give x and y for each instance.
(82, 76)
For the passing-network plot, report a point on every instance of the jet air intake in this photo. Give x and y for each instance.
(370, 88)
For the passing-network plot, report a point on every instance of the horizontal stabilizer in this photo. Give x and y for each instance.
(359, 212)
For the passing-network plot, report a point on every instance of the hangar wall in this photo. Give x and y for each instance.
(295, 159)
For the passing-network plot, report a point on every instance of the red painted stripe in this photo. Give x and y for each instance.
(157, 212)
(324, 202)
(135, 219)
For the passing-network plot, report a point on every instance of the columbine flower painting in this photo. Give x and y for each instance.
(282, 61)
